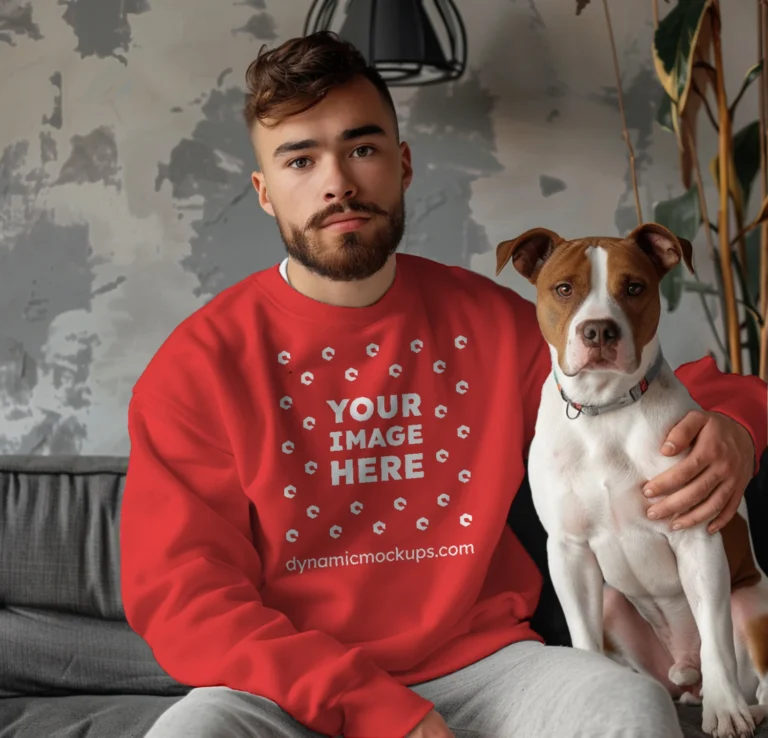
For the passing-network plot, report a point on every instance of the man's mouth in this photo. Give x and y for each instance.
(351, 222)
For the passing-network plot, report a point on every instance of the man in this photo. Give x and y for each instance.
(323, 459)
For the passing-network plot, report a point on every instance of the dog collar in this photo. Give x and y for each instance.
(634, 394)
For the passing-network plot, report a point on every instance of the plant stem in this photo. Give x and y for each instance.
(742, 234)
(762, 32)
(625, 130)
(703, 97)
(724, 148)
(712, 326)
(707, 233)
(741, 243)
(655, 6)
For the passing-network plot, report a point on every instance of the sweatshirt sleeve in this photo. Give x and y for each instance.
(743, 398)
(534, 364)
(190, 576)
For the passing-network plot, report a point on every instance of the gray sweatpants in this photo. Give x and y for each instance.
(525, 690)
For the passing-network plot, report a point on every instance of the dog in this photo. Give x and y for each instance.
(651, 598)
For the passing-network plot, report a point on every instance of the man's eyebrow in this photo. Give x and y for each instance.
(371, 129)
(289, 147)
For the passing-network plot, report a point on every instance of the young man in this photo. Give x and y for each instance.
(323, 459)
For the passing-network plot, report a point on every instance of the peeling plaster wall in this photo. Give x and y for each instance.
(125, 201)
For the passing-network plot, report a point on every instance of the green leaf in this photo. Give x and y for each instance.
(674, 47)
(746, 165)
(753, 343)
(664, 113)
(753, 265)
(672, 287)
(753, 333)
(682, 215)
(746, 158)
(580, 5)
(752, 74)
(702, 287)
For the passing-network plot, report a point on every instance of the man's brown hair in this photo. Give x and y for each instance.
(299, 73)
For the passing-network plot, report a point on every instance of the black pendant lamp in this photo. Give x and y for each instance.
(410, 42)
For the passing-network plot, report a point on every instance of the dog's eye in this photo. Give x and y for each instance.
(634, 289)
(564, 289)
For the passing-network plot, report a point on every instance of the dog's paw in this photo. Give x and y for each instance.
(759, 713)
(689, 698)
(684, 675)
(762, 691)
(726, 715)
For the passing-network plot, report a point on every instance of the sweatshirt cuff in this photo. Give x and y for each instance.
(382, 708)
(749, 408)
(743, 398)
(729, 412)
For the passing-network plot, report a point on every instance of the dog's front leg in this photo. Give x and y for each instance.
(705, 578)
(578, 583)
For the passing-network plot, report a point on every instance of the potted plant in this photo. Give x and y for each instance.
(688, 59)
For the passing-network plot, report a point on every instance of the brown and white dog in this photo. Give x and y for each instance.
(686, 607)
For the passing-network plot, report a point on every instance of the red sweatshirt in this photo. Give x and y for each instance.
(316, 497)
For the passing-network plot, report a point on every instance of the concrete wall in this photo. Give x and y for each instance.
(125, 200)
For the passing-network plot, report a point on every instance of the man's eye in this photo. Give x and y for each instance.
(298, 162)
(362, 148)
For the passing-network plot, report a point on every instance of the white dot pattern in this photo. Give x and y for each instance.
(357, 508)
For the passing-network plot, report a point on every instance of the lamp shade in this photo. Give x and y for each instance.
(410, 42)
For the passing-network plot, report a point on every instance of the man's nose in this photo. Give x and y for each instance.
(339, 185)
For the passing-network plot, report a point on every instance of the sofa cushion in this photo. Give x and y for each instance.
(59, 533)
(690, 717)
(53, 653)
(83, 716)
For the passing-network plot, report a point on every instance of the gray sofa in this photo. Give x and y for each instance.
(70, 666)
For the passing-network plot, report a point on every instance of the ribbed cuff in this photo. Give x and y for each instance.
(382, 708)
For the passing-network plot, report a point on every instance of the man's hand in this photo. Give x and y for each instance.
(432, 726)
(710, 483)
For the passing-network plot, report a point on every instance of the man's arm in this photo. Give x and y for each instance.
(190, 577)
(741, 398)
(727, 442)
(534, 363)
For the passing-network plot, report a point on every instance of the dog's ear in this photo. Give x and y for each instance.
(665, 249)
(528, 252)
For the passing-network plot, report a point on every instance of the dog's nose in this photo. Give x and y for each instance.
(600, 332)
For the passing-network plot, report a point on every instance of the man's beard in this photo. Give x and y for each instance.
(349, 256)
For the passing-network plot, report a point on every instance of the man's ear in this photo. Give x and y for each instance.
(257, 180)
(528, 252)
(406, 165)
(665, 249)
